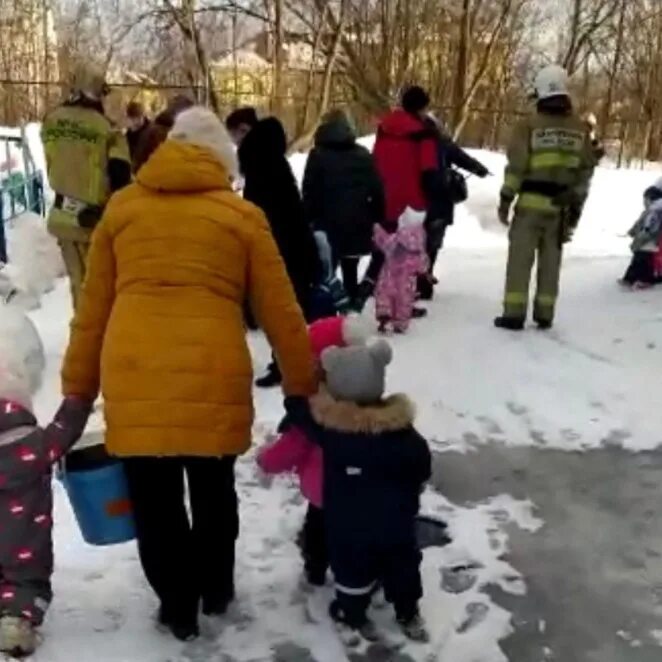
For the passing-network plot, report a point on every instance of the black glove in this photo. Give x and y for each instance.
(285, 424)
(297, 409)
(574, 214)
(90, 216)
(504, 210)
(571, 221)
(481, 171)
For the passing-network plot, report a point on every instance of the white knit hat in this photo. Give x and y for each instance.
(22, 360)
(199, 126)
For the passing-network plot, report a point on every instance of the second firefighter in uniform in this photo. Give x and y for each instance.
(87, 160)
(550, 166)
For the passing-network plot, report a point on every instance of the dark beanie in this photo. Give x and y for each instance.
(415, 99)
(236, 118)
(653, 193)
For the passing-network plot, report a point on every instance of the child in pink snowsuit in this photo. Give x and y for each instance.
(405, 259)
(294, 451)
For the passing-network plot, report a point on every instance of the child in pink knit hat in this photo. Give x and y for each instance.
(294, 451)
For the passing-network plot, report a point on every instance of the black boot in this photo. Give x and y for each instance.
(363, 293)
(272, 379)
(543, 324)
(425, 288)
(509, 323)
(217, 606)
(179, 629)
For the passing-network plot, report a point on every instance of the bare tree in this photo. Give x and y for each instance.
(587, 19)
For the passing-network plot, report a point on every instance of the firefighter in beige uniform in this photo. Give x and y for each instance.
(87, 160)
(550, 166)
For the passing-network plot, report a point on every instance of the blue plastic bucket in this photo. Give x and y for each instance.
(99, 497)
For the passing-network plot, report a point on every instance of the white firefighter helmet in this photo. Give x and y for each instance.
(89, 81)
(552, 81)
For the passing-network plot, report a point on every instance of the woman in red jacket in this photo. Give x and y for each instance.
(406, 157)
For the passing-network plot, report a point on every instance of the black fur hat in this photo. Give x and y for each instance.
(415, 99)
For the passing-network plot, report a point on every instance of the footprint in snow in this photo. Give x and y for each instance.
(460, 578)
(517, 409)
(476, 613)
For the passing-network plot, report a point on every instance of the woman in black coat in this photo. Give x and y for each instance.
(441, 211)
(270, 184)
(343, 194)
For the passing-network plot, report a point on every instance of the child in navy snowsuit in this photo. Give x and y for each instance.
(375, 465)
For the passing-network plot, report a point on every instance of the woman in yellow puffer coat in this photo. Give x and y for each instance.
(160, 329)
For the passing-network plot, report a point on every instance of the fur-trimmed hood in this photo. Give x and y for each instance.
(394, 413)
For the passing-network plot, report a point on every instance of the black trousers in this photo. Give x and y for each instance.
(349, 267)
(359, 568)
(185, 560)
(371, 277)
(312, 541)
(641, 269)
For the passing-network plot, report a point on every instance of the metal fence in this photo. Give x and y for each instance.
(21, 183)
(627, 138)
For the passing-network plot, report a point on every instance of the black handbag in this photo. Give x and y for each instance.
(456, 186)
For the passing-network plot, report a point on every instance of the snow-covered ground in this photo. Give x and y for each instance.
(590, 382)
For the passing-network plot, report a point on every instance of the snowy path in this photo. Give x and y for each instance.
(589, 383)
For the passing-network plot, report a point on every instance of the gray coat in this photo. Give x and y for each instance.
(343, 194)
(646, 231)
(27, 453)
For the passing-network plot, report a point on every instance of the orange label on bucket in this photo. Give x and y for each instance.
(118, 508)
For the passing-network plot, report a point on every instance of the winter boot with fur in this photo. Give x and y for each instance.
(18, 637)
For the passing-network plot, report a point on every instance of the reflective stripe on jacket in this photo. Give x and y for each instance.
(549, 153)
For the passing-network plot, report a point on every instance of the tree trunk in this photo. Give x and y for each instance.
(302, 122)
(571, 53)
(327, 81)
(613, 70)
(278, 57)
(462, 111)
(185, 19)
(461, 69)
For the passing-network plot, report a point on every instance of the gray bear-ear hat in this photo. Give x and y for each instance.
(357, 373)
